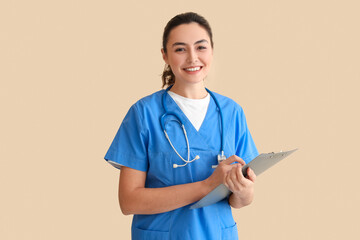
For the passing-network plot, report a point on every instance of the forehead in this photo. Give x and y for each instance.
(188, 33)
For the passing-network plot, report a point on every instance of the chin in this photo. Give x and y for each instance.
(194, 82)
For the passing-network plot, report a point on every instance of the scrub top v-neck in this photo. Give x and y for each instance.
(194, 109)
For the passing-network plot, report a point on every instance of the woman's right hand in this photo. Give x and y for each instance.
(221, 171)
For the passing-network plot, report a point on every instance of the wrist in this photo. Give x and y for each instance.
(242, 199)
(209, 185)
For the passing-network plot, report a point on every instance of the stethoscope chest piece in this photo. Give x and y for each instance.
(220, 157)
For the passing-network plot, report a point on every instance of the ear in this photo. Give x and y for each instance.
(164, 56)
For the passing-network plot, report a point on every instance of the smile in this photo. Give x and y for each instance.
(192, 69)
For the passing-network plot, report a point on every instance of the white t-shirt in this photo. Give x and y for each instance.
(194, 109)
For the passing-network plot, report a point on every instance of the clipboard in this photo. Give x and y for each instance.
(259, 164)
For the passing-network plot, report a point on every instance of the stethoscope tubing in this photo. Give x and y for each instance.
(168, 113)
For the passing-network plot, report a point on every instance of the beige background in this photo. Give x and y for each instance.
(71, 69)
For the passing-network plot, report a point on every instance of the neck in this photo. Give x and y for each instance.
(193, 91)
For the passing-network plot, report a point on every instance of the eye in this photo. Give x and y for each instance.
(179, 49)
(202, 48)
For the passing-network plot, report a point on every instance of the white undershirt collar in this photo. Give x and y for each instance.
(194, 109)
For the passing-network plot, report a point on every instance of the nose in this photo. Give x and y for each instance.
(192, 56)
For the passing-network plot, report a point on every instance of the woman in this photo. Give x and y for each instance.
(162, 174)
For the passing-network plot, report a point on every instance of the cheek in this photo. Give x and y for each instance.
(208, 62)
(175, 61)
(207, 58)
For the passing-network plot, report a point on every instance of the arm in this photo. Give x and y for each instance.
(242, 188)
(134, 198)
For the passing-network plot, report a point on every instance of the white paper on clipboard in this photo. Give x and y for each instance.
(259, 164)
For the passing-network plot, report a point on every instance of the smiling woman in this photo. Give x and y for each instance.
(181, 19)
(157, 183)
(188, 53)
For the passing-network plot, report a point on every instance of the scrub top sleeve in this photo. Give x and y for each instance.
(245, 146)
(129, 147)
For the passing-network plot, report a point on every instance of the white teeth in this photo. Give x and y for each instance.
(192, 69)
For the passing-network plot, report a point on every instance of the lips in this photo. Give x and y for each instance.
(193, 69)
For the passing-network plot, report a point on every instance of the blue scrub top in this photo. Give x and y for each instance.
(140, 144)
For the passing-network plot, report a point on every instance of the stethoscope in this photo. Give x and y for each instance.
(221, 156)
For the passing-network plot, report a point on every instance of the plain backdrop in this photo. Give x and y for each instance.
(71, 69)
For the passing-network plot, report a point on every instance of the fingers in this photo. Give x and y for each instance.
(251, 174)
(233, 159)
(232, 173)
(242, 162)
(231, 179)
(234, 178)
(228, 183)
(229, 160)
(239, 173)
(241, 187)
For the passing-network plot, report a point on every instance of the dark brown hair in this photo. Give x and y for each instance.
(168, 77)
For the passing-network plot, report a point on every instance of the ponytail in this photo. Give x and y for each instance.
(168, 77)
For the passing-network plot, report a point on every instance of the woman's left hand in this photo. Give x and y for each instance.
(242, 188)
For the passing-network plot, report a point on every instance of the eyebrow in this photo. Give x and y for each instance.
(197, 42)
